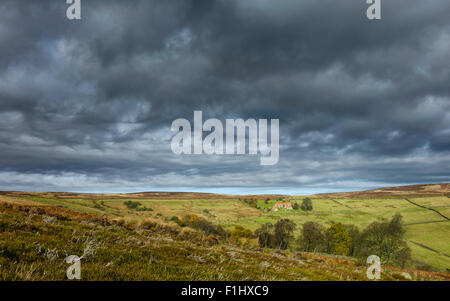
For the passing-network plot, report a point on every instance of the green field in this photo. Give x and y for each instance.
(428, 233)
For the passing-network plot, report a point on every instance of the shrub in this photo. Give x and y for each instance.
(132, 204)
(189, 234)
(423, 266)
(283, 230)
(136, 206)
(13, 250)
(202, 224)
(295, 206)
(120, 222)
(144, 209)
(212, 240)
(176, 220)
(131, 224)
(265, 236)
(149, 225)
(338, 240)
(253, 203)
(386, 241)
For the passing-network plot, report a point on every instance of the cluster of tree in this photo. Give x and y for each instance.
(136, 206)
(132, 204)
(384, 239)
(199, 223)
(316, 238)
(278, 236)
(306, 205)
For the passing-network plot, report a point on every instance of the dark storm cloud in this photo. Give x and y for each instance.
(87, 105)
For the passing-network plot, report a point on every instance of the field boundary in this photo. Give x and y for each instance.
(428, 248)
(430, 222)
(427, 208)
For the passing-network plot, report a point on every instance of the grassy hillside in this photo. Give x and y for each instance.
(34, 241)
(428, 233)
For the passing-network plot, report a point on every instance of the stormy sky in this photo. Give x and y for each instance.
(87, 105)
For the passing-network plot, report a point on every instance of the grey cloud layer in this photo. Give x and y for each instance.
(88, 105)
